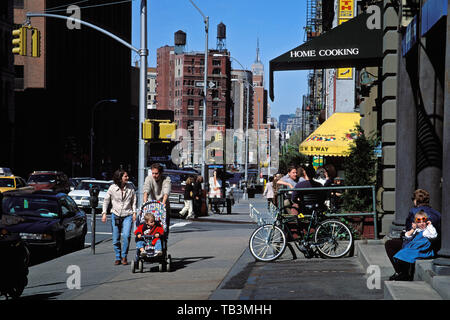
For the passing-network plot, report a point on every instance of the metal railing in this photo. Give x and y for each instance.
(330, 212)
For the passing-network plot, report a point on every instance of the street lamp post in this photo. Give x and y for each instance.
(92, 133)
(205, 91)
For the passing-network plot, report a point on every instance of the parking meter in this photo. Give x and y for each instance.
(93, 199)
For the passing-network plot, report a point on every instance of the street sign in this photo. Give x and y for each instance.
(211, 84)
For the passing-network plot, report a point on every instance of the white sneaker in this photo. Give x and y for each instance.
(158, 253)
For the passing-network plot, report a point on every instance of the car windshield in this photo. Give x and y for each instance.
(6, 183)
(84, 185)
(23, 205)
(42, 178)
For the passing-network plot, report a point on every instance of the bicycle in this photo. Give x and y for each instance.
(331, 238)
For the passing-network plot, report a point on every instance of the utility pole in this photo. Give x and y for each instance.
(205, 92)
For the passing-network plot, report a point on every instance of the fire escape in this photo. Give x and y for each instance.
(313, 101)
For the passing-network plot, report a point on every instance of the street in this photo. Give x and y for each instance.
(211, 261)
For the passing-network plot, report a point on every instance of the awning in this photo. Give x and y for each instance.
(351, 44)
(334, 137)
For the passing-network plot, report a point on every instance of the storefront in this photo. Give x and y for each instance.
(356, 43)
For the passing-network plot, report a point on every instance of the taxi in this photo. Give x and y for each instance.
(11, 183)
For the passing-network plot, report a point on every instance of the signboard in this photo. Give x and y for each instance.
(211, 84)
(345, 13)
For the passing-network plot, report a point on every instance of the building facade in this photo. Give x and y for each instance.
(56, 93)
(7, 114)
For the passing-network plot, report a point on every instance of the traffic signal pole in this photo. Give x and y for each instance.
(143, 53)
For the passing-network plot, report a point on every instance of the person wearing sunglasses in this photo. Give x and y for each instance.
(418, 245)
(421, 202)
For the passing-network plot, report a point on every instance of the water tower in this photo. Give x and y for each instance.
(180, 41)
(221, 36)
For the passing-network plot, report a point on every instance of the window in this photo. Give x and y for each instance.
(215, 112)
(190, 102)
(216, 71)
(190, 112)
(216, 63)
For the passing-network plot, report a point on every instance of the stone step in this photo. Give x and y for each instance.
(373, 253)
(409, 290)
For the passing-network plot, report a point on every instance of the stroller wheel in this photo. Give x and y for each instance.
(133, 266)
(169, 263)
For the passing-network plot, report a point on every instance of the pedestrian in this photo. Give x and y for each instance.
(122, 198)
(188, 199)
(268, 192)
(421, 201)
(198, 195)
(215, 189)
(418, 245)
(289, 180)
(275, 187)
(149, 228)
(157, 187)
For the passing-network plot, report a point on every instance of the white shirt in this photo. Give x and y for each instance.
(429, 232)
(123, 202)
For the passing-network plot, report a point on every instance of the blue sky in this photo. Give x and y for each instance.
(278, 25)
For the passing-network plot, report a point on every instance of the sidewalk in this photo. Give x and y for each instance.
(200, 262)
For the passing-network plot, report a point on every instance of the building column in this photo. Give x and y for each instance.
(406, 148)
(441, 265)
(430, 111)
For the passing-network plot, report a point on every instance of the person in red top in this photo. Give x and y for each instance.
(149, 228)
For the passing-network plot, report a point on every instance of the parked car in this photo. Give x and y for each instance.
(82, 197)
(11, 183)
(75, 181)
(51, 180)
(50, 219)
(81, 194)
(178, 181)
(5, 171)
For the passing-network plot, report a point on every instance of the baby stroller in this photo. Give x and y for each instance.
(164, 260)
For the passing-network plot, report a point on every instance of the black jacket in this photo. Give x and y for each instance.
(189, 192)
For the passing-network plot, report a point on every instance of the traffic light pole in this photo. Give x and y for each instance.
(143, 53)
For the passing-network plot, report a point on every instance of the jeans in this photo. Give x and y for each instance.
(125, 233)
(141, 244)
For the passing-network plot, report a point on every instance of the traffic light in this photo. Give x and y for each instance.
(20, 41)
(158, 130)
(167, 130)
(35, 43)
(147, 130)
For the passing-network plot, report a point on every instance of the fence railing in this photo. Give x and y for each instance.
(332, 212)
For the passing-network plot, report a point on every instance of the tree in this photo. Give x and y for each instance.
(360, 170)
(292, 156)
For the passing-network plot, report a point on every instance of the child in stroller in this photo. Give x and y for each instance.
(148, 237)
(151, 237)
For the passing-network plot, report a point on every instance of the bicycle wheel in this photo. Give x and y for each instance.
(267, 243)
(333, 239)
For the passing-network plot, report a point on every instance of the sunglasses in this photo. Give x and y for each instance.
(421, 219)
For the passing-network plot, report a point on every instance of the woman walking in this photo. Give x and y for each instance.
(188, 199)
(268, 192)
(122, 198)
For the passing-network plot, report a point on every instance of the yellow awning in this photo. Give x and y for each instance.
(334, 137)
